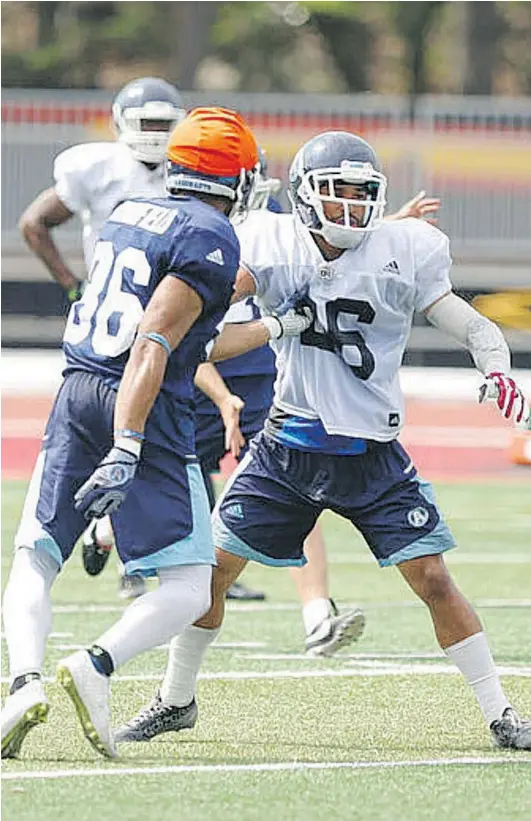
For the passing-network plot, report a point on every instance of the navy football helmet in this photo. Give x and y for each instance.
(324, 161)
(265, 186)
(144, 113)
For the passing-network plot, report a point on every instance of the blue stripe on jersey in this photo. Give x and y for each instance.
(310, 435)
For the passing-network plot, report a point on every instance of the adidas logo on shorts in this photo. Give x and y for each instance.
(216, 257)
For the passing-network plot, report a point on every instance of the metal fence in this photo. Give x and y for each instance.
(475, 153)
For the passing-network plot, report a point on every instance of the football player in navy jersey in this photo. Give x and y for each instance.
(120, 437)
(90, 180)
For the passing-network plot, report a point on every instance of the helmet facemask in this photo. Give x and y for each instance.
(263, 191)
(319, 186)
(146, 129)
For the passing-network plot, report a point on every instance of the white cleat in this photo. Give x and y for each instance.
(23, 710)
(336, 631)
(90, 692)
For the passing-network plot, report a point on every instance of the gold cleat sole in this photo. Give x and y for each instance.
(13, 741)
(66, 680)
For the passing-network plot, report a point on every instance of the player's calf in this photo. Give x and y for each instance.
(224, 574)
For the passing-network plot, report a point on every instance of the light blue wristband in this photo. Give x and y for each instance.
(127, 433)
(159, 339)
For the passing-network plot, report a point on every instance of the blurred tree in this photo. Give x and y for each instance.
(46, 22)
(349, 40)
(414, 22)
(485, 29)
(190, 25)
(263, 46)
(255, 39)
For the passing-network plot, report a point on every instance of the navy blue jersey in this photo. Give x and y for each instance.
(143, 241)
(258, 362)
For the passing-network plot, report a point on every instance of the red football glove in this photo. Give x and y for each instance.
(508, 396)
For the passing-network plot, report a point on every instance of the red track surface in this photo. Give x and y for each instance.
(456, 441)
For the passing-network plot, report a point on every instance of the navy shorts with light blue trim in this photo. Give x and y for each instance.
(273, 499)
(165, 518)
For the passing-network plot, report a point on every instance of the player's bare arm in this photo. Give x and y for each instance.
(239, 338)
(209, 380)
(47, 211)
(244, 285)
(171, 312)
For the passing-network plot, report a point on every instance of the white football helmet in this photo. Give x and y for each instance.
(330, 158)
(144, 113)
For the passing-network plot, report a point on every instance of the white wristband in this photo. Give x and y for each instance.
(133, 446)
(274, 326)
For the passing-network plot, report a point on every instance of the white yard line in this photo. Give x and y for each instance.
(281, 766)
(218, 645)
(365, 668)
(283, 607)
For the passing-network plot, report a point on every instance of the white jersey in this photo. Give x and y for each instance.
(344, 369)
(91, 179)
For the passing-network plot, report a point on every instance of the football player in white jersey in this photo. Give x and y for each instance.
(331, 438)
(92, 178)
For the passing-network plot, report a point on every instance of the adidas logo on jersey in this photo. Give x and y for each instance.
(391, 267)
(216, 257)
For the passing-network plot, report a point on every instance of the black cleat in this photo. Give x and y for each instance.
(95, 555)
(239, 592)
(511, 732)
(156, 719)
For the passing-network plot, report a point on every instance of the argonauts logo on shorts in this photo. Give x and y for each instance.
(418, 517)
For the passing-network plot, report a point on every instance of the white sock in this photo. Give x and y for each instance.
(473, 658)
(104, 531)
(314, 613)
(28, 609)
(156, 617)
(186, 654)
